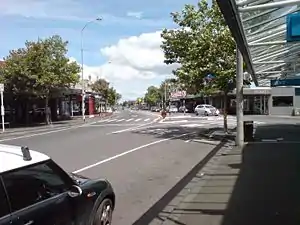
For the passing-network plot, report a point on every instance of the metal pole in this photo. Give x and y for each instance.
(82, 78)
(239, 99)
(2, 112)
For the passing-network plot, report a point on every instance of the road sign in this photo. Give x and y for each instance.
(1, 87)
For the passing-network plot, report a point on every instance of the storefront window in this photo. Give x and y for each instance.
(283, 101)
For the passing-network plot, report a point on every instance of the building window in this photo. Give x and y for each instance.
(283, 101)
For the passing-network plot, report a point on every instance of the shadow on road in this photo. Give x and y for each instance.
(258, 184)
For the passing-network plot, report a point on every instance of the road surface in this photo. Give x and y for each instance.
(142, 158)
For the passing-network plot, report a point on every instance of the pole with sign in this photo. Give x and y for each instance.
(2, 106)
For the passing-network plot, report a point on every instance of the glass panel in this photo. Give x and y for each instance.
(263, 27)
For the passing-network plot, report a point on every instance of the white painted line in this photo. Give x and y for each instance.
(147, 119)
(112, 120)
(192, 125)
(114, 125)
(120, 120)
(129, 120)
(130, 129)
(128, 152)
(44, 133)
(176, 121)
(137, 120)
(188, 141)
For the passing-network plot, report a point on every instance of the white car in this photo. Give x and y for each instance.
(206, 110)
(173, 109)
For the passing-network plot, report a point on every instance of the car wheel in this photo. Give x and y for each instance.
(104, 213)
(197, 114)
(205, 114)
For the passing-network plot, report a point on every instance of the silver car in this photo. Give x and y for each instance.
(206, 110)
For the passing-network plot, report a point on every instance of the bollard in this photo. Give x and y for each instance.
(248, 131)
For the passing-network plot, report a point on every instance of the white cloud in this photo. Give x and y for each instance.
(137, 15)
(133, 64)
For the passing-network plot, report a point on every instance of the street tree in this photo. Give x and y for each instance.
(101, 86)
(153, 96)
(40, 68)
(202, 45)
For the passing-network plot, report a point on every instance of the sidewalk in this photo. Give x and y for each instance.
(256, 185)
(75, 121)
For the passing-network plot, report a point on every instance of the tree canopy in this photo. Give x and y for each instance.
(102, 87)
(153, 95)
(201, 45)
(205, 50)
(39, 68)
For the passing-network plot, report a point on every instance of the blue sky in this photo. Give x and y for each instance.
(123, 47)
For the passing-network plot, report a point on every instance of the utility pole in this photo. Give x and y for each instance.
(239, 99)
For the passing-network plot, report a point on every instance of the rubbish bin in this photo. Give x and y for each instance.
(248, 131)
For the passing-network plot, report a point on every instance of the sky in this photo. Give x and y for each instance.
(123, 48)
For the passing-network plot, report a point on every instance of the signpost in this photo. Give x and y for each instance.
(2, 106)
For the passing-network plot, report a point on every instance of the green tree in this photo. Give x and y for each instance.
(101, 86)
(201, 45)
(153, 95)
(40, 68)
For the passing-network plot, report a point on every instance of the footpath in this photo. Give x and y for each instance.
(258, 184)
(56, 125)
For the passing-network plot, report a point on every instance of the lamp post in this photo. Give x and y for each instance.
(82, 78)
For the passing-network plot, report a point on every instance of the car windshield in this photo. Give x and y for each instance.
(209, 106)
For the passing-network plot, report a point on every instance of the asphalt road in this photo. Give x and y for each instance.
(143, 159)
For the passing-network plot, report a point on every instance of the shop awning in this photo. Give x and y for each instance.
(259, 28)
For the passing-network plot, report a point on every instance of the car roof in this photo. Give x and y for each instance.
(11, 157)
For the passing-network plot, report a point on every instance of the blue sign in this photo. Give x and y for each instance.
(293, 27)
(285, 82)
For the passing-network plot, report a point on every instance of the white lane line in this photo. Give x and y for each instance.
(147, 119)
(137, 120)
(112, 120)
(114, 125)
(131, 129)
(127, 152)
(120, 120)
(44, 133)
(176, 121)
(129, 120)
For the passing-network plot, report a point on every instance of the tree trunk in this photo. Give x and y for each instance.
(47, 116)
(225, 113)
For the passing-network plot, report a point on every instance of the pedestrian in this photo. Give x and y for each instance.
(48, 115)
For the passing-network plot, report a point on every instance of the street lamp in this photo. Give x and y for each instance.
(82, 78)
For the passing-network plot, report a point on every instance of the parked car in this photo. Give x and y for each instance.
(35, 190)
(206, 110)
(173, 109)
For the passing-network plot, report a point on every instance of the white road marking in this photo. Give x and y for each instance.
(137, 120)
(114, 125)
(129, 120)
(147, 119)
(127, 152)
(120, 120)
(44, 133)
(130, 129)
(112, 120)
(176, 121)
(192, 125)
